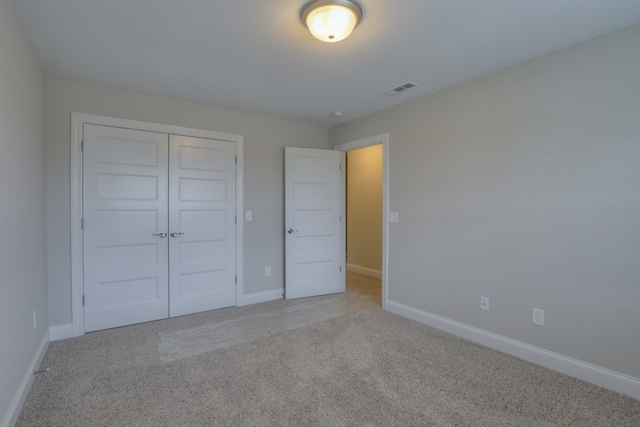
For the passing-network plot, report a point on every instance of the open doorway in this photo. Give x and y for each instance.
(367, 206)
(364, 221)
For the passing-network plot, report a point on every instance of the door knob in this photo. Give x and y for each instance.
(291, 230)
(174, 234)
(161, 234)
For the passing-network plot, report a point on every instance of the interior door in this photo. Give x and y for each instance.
(202, 183)
(314, 222)
(125, 223)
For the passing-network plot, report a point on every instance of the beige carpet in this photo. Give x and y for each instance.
(360, 366)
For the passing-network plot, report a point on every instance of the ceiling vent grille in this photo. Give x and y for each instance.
(401, 88)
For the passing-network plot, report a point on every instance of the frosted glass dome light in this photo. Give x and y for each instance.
(331, 20)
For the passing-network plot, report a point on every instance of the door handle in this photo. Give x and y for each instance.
(291, 231)
(161, 234)
(174, 234)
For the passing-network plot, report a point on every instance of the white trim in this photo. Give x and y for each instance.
(78, 120)
(367, 142)
(365, 271)
(240, 218)
(343, 224)
(61, 332)
(606, 378)
(20, 397)
(77, 253)
(259, 297)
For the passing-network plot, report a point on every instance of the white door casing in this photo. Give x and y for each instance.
(201, 224)
(382, 139)
(125, 217)
(314, 222)
(79, 121)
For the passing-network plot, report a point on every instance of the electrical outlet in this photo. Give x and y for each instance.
(248, 216)
(267, 271)
(484, 303)
(393, 216)
(537, 317)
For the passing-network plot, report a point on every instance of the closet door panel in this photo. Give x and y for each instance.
(202, 224)
(125, 186)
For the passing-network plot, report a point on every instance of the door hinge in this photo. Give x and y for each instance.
(81, 223)
(236, 219)
(340, 269)
(83, 300)
(236, 280)
(81, 145)
(340, 166)
(236, 160)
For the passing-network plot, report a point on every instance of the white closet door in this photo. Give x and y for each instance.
(125, 226)
(202, 226)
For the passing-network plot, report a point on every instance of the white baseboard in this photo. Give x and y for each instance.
(61, 332)
(606, 378)
(261, 297)
(365, 271)
(20, 397)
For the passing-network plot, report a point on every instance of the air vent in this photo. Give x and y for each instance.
(401, 88)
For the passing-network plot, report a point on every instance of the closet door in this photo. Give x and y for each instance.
(202, 218)
(125, 226)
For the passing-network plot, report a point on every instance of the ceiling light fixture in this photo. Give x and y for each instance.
(331, 20)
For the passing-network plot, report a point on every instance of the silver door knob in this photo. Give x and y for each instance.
(161, 234)
(291, 230)
(174, 234)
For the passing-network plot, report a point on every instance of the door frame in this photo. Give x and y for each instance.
(78, 120)
(383, 139)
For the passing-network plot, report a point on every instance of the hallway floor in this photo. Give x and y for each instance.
(365, 285)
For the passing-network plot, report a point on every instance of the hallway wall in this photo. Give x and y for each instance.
(364, 211)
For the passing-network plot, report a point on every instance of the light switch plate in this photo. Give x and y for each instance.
(484, 303)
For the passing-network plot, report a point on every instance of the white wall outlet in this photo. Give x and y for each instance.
(484, 303)
(248, 216)
(267, 271)
(537, 317)
(393, 216)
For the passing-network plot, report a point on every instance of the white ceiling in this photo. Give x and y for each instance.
(256, 56)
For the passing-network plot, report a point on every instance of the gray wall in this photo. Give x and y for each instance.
(524, 186)
(264, 139)
(22, 259)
